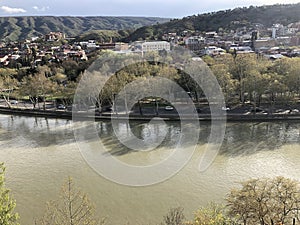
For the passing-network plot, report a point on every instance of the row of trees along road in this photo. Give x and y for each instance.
(243, 78)
(256, 79)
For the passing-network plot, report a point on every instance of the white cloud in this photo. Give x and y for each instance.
(41, 9)
(270, 2)
(10, 10)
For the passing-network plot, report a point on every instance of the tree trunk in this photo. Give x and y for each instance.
(156, 107)
(7, 101)
(44, 103)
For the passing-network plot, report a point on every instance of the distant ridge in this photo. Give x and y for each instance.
(225, 19)
(19, 28)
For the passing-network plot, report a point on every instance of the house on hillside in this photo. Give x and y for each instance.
(54, 36)
(194, 43)
(213, 50)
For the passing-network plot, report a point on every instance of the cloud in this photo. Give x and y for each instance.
(41, 9)
(10, 10)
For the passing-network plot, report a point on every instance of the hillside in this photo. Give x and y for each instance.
(103, 35)
(18, 28)
(226, 19)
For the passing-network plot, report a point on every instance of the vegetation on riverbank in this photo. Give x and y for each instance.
(243, 78)
(256, 201)
(7, 203)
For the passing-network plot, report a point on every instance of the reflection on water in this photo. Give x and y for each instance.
(36, 131)
(40, 153)
(240, 139)
(249, 138)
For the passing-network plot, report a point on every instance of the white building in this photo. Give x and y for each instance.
(213, 50)
(149, 46)
(194, 40)
(273, 32)
(278, 30)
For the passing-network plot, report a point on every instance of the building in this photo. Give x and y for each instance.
(90, 44)
(120, 46)
(264, 43)
(278, 30)
(172, 38)
(194, 40)
(148, 46)
(54, 36)
(213, 50)
(194, 43)
(295, 40)
(107, 46)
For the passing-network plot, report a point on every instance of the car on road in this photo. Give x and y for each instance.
(225, 108)
(14, 102)
(169, 108)
(61, 106)
(257, 109)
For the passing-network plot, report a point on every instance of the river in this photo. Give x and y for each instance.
(41, 153)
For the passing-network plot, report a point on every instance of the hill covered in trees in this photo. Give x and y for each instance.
(226, 19)
(103, 35)
(18, 28)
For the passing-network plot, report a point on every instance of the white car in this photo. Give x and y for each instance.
(225, 108)
(169, 108)
(61, 106)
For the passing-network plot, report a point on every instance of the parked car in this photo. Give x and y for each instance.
(169, 108)
(61, 106)
(257, 109)
(224, 108)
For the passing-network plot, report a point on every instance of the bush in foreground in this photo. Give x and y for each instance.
(7, 204)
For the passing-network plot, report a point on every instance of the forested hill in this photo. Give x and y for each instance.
(226, 19)
(18, 28)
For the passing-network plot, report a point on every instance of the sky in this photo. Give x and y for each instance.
(154, 8)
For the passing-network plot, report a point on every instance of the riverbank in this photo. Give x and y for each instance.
(230, 116)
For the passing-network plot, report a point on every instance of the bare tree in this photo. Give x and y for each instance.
(7, 85)
(175, 216)
(73, 208)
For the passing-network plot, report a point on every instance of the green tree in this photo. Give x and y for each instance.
(241, 67)
(37, 86)
(288, 69)
(7, 204)
(59, 76)
(71, 69)
(265, 201)
(275, 88)
(66, 92)
(72, 208)
(213, 214)
(225, 79)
